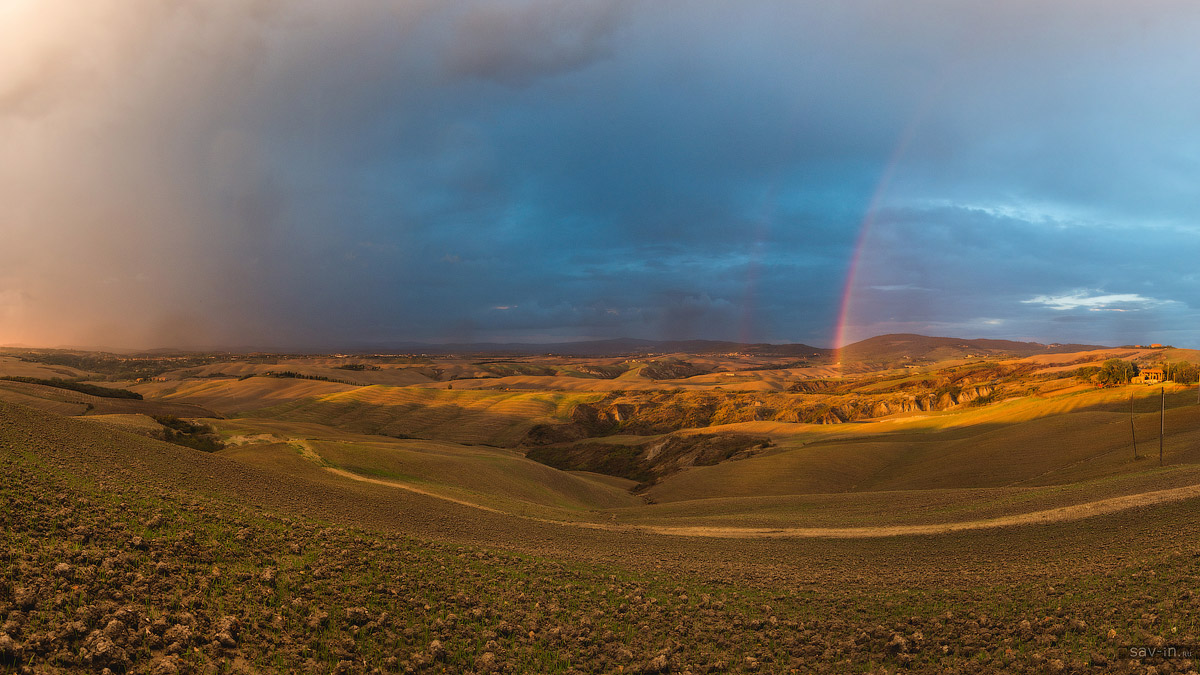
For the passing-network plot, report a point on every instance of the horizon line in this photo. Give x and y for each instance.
(407, 345)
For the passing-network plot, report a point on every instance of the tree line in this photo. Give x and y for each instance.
(75, 385)
(1120, 371)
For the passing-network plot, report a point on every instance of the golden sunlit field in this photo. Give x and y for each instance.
(656, 513)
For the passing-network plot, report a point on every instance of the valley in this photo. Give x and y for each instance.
(930, 505)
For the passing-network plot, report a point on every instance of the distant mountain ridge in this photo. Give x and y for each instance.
(617, 347)
(880, 348)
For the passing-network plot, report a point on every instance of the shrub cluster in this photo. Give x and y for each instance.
(190, 434)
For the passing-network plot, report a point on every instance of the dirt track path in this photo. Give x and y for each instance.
(417, 490)
(1056, 515)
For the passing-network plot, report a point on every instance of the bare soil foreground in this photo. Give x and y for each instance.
(112, 561)
(1018, 535)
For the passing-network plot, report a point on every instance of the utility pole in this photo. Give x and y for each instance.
(1132, 426)
(1162, 424)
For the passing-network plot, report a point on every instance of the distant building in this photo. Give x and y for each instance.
(1150, 376)
(1156, 346)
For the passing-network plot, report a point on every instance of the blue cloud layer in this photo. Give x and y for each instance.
(297, 174)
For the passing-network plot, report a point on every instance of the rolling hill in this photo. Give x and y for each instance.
(353, 526)
(884, 348)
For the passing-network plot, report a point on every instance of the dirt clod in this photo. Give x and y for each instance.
(167, 665)
(357, 616)
(436, 650)
(10, 651)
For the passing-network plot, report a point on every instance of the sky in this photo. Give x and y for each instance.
(304, 174)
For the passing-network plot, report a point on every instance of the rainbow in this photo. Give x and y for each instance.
(840, 338)
(842, 335)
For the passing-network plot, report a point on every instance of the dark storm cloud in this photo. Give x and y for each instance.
(300, 174)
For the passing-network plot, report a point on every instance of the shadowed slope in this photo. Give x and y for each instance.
(502, 479)
(491, 417)
(68, 402)
(1044, 451)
